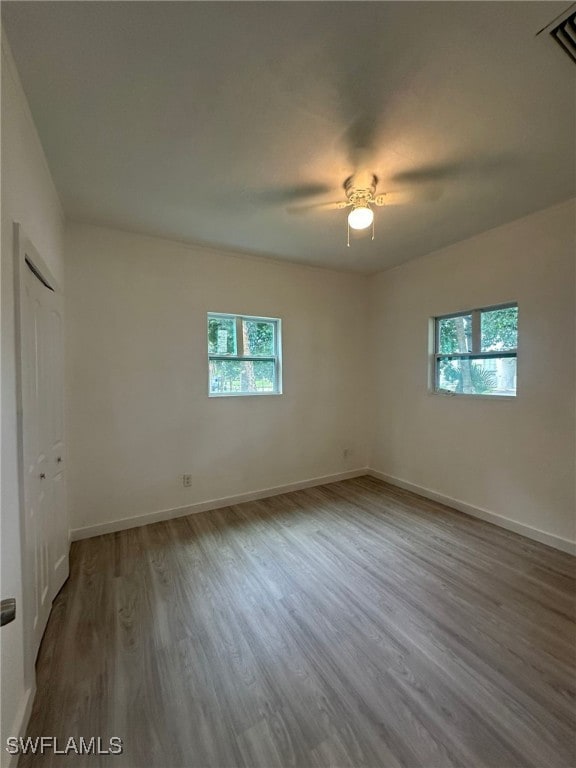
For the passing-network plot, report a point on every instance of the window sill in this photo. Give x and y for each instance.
(217, 395)
(461, 396)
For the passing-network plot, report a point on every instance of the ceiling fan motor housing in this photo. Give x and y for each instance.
(360, 192)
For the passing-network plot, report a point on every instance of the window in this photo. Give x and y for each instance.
(475, 352)
(243, 355)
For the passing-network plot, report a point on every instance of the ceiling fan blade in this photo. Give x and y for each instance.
(432, 172)
(359, 140)
(401, 197)
(250, 199)
(360, 79)
(275, 196)
(409, 196)
(454, 169)
(318, 207)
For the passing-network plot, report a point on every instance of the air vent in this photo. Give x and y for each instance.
(565, 35)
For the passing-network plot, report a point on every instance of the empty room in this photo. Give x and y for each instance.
(288, 384)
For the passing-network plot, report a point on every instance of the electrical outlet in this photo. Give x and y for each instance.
(187, 481)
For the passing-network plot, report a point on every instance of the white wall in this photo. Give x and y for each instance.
(138, 409)
(28, 197)
(513, 457)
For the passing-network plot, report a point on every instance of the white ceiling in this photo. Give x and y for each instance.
(204, 121)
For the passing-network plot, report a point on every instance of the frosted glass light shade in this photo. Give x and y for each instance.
(361, 217)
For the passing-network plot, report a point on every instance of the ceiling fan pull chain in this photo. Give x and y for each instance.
(348, 243)
(372, 229)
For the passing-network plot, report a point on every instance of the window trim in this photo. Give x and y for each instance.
(240, 357)
(476, 344)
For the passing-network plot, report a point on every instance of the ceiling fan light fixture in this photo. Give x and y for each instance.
(360, 217)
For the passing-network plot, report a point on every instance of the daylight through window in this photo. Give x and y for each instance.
(475, 352)
(243, 355)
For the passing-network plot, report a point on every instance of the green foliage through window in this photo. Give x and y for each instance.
(455, 334)
(258, 337)
(476, 352)
(499, 328)
(221, 336)
(243, 355)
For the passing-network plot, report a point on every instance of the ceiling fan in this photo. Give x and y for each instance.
(360, 190)
(364, 122)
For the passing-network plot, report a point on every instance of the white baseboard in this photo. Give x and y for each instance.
(19, 727)
(491, 517)
(204, 506)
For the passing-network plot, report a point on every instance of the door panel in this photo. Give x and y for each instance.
(57, 464)
(60, 538)
(36, 491)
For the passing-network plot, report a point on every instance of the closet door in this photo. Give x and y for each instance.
(42, 445)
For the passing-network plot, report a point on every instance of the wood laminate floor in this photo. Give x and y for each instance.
(353, 624)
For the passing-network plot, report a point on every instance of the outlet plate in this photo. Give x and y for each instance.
(187, 481)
